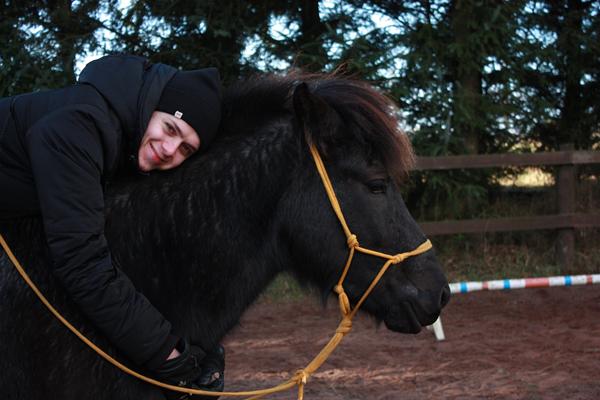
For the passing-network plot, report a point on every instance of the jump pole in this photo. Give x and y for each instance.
(509, 284)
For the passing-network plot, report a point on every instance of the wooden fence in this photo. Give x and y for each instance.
(565, 221)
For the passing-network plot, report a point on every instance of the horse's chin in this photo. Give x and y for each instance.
(402, 318)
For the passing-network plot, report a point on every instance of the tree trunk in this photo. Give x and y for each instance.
(466, 75)
(63, 22)
(569, 45)
(311, 54)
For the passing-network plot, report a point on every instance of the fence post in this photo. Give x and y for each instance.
(566, 187)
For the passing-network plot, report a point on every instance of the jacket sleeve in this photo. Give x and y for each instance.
(66, 156)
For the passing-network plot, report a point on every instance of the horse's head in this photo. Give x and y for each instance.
(366, 156)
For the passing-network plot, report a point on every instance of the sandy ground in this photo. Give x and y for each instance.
(522, 344)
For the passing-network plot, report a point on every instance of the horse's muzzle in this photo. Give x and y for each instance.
(411, 316)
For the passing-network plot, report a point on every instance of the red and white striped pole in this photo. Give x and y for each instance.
(508, 284)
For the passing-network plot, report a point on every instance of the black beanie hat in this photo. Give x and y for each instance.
(195, 97)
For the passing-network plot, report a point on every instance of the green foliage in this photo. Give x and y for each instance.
(41, 41)
(447, 195)
(469, 76)
(526, 253)
(285, 288)
(190, 34)
(560, 67)
(513, 255)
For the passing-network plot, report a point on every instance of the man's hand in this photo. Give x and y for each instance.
(213, 370)
(194, 369)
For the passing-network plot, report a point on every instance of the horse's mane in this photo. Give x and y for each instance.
(372, 116)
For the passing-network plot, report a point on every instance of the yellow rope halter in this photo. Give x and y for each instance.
(300, 378)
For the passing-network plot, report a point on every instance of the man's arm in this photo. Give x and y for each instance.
(66, 155)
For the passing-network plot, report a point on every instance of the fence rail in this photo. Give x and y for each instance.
(565, 221)
(557, 221)
(568, 157)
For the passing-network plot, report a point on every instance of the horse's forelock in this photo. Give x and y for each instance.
(372, 119)
(370, 115)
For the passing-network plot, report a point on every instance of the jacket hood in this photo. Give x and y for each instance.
(132, 87)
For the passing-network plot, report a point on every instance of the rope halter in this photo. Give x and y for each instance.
(347, 312)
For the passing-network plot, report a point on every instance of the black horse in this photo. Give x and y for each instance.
(204, 240)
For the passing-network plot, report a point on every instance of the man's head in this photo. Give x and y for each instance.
(186, 118)
(167, 142)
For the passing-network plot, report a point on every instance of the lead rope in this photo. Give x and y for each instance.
(300, 378)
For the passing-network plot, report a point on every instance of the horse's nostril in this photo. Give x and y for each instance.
(444, 296)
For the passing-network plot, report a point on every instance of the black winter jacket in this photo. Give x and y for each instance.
(57, 149)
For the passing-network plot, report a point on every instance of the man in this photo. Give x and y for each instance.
(58, 151)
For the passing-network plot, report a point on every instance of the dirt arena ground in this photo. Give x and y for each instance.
(522, 344)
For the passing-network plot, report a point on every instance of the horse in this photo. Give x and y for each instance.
(202, 241)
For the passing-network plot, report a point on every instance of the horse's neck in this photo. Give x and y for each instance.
(208, 251)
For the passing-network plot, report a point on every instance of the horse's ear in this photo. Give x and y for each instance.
(316, 119)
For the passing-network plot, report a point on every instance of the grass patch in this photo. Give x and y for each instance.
(514, 255)
(285, 288)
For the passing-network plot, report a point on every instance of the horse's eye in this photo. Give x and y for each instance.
(378, 186)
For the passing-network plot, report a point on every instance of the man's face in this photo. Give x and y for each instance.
(167, 142)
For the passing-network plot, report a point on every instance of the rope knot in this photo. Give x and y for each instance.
(301, 377)
(342, 299)
(345, 326)
(398, 258)
(352, 241)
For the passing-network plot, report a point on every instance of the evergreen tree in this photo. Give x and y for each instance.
(41, 42)
(191, 33)
(561, 60)
(469, 76)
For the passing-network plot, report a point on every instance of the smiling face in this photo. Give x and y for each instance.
(167, 142)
